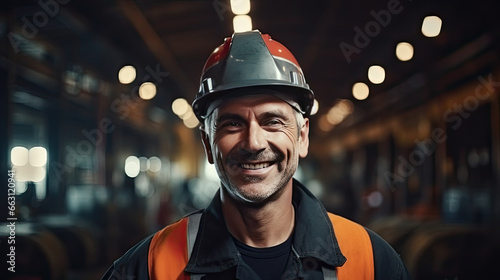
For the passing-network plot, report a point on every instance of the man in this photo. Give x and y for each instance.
(254, 105)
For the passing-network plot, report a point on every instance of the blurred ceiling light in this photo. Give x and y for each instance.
(19, 156)
(315, 107)
(29, 173)
(188, 114)
(142, 186)
(20, 188)
(38, 156)
(147, 90)
(29, 165)
(376, 74)
(242, 23)
(404, 51)
(334, 118)
(191, 122)
(345, 107)
(375, 199)
(180, 106)
(154, 164)
(37, 174)
(127, 74)
(360, 91)
(431, 27)
(144, 164)
(324, 124)
(132, 166)
(240, 7)
(339, 111)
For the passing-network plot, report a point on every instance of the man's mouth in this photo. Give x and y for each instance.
(255, 166)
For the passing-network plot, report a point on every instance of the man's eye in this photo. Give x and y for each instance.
(274, 122)
(232, 124)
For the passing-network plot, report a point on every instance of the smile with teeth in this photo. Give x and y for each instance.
(255, 166)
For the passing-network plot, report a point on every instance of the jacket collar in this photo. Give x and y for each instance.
(314, 236)
(214, 250)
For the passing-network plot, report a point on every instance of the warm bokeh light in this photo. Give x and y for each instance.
(339, 111)
(147, 90)
(29, 164)
(345, 107)
(334, 117)
(376, 74)
(188, 114)
(127, 74)
(404, 51)
(431, 27)
(242, 23)
(191, 121)
(324, 124)
(38, 156)
(19, 156)
(240, 7)
(180, 106)
(360, 91)
(184, 111)
(29, 173)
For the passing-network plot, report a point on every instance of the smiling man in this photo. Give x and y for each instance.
(254, 105)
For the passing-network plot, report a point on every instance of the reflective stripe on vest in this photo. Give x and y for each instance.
(178, 239)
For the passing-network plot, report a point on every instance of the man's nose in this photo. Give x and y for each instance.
(255, 139)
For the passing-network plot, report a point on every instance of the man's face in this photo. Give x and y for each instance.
(255, 144)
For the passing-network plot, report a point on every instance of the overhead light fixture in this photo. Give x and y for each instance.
(143, 164)
(240, 7)
(29, 173)
(431, 27)
(132, 166)
(242, 23)
(154, 164)
(360, 91)
(324, 124)
(30, 165)
(180, 106)
(339, 111)
(127, 74)
(376, 74)
(191, 121)
(404, 51)
(38, 156)
(147, 90)
(19, 156)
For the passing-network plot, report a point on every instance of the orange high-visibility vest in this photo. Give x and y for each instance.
(170, 249)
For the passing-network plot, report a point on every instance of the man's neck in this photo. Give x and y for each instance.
(267, 225)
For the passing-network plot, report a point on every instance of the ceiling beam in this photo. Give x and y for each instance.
(315, 43)
(157, 46)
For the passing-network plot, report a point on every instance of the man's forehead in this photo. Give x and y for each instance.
(254, 93)
(261, 101)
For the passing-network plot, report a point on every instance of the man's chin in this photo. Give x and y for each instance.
(255, 198)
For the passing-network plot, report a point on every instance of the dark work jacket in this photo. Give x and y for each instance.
(314, 245)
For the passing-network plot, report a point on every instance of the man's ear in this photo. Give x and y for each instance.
(304, 139)
(206, 144)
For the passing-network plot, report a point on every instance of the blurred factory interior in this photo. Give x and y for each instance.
(99, 135)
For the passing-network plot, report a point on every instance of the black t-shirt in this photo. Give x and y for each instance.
(268, 263)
